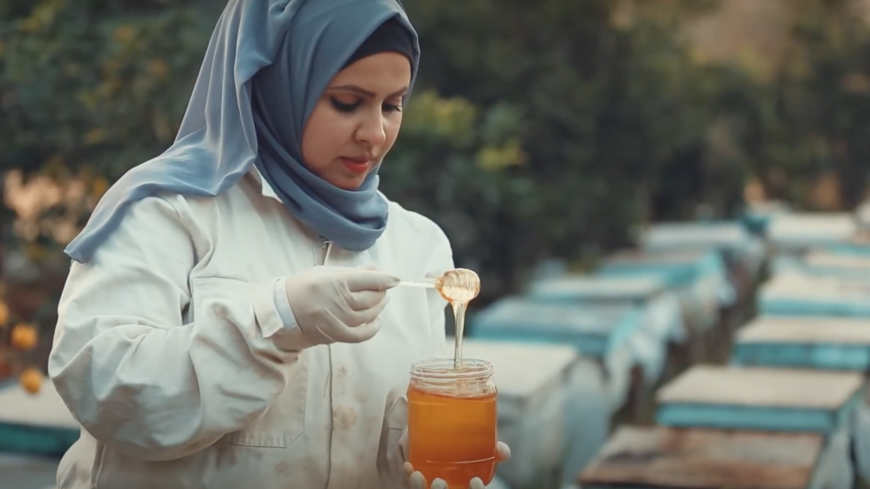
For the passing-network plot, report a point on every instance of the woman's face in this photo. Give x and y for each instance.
(357, 119)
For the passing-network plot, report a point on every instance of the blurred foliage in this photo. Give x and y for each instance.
(538, 129)
(88, 89)
(599, 101)
(453, 162)
(812, 119)
(95, 86)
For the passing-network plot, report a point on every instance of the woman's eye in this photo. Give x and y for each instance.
(392, 108)
(343, 107)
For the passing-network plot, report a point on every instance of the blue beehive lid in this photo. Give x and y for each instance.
(735, 242)
(701, 235)
(802, 230)
(676, 268)
(37, 424)
(805, 342)
(735, 398)
(825, 263)
(594, 330)
(796, 293)
(595, 288)
(856, 245)
(846, 265)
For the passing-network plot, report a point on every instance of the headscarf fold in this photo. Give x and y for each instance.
(292, 48)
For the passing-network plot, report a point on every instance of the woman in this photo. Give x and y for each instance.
(226, 322)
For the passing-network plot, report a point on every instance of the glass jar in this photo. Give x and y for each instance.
(452, 421)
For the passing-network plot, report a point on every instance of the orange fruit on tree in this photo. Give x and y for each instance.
(24, 336)
(31, 380)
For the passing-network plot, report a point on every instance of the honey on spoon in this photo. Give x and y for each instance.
(458, 287)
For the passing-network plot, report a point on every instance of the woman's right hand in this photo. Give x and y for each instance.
(332, 304)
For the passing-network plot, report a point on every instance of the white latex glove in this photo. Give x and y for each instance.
(415, 480)
(333, 304)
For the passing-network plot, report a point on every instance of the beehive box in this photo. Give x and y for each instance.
(37, 424)
(592, 330)
(794, 232)
(765, 399)
(705, 459)
(731, 238)
(597, 289)
(698, 276)
(650, 294)
(795, 293)
(805, 342)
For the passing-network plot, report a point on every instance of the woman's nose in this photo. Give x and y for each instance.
(371, 130)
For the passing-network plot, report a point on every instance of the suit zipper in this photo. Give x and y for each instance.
(325, 248)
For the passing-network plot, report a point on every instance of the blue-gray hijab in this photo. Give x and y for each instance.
(300, 45)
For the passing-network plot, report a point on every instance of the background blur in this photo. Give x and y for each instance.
(541, 134)
(543, 129)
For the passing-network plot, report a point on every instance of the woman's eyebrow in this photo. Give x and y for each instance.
(366, 93)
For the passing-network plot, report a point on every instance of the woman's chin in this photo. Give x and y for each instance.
(349, 183)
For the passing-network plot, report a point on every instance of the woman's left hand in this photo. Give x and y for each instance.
(415, 479)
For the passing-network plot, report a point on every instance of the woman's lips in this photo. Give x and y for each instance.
(356, 165)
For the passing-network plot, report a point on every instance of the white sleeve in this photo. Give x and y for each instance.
(133, 374)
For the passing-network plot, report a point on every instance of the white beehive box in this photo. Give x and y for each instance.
(790, 232)
(794, 293)
(35, 424)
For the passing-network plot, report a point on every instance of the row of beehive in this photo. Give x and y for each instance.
(556, 402)
(789, 410)
(575, 354)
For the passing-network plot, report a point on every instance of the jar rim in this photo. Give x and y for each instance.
(443, 369)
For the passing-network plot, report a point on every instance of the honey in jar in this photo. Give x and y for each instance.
(452, 421)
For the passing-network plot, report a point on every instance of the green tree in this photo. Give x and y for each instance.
(606, 96)
(88, 88)
(812, 117)
(538, 129)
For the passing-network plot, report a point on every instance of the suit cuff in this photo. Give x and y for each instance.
(282, 305)
(277, 321)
